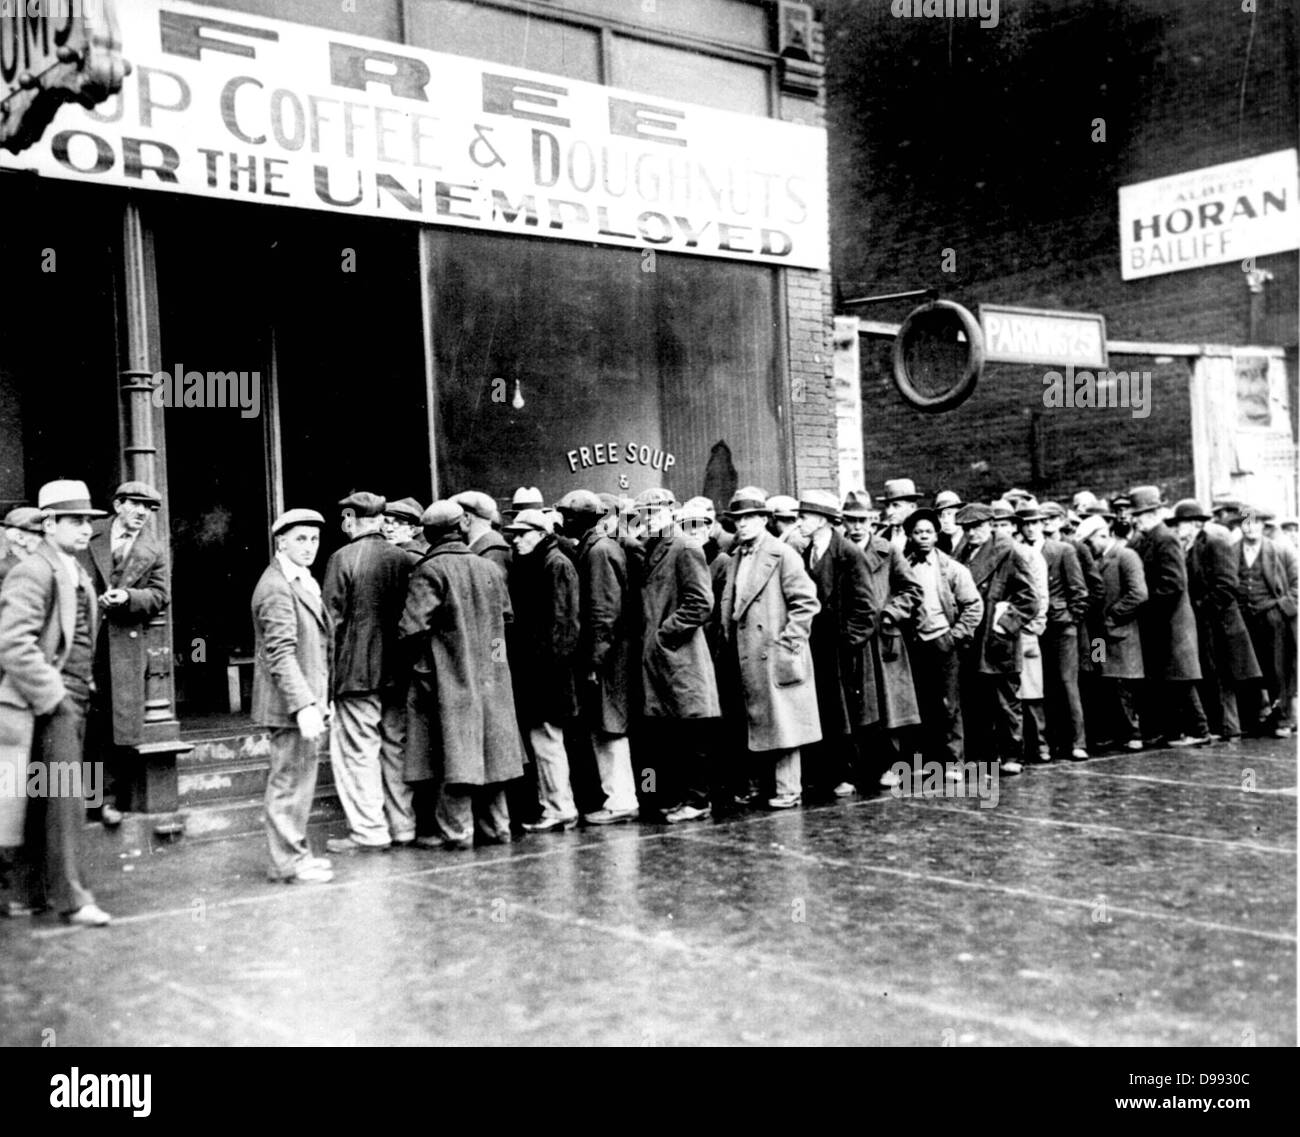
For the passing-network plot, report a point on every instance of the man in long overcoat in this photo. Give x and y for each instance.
(604, 653)
(364, 592)
(839, 633)
(766, 614)
(1170, 653)
(1227, 656)
(543, 646)
(990, 665)
(477, 530)
(291, 664)
(129, 568)
(1124, 591)
(461, 725)
(679, 691)
(1266, 573)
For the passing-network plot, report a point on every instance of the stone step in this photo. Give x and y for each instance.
(232, 780)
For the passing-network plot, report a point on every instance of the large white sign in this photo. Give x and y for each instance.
(1032, 335)
(226, 105)
(1209, 217)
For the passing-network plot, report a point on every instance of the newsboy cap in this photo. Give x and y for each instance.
(822, 502)
(655, 499)
(475, 502)
(67, 497)
(364, 504)
(291, 517)
(138, 491)
(974, 514)
(581, 501)
(441, 515)
(25, 517)
(696, 509)
(528, 519)
(748, 500)
(1090, 526)
(405, 509)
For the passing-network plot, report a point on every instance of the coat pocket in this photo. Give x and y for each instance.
(789, 668)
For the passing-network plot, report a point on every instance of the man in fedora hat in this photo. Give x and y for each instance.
(365, 592)
(525, 497)
(1171, 655)
(765, 617)
(858, 514)
(543, 643)
(1032, 688)
(900, 501)
(946, 505)
(129, 568)
(462, 735)
(839, 634)
(402, 526)
(990, 668)
(22, 533)
(1227, 655)
(478, 530)
(784, 524)
(291, 660)
(48, 624)
(944, 623)
(1266, 573)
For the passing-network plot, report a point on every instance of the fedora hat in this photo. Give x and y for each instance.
(1189, 509)
(1028, 512)
(1052, 509)
(947, 499)
(1014, 495)
(291, 517)
(783, 505)
(1002, 511)
(822, 502)
(748, 500)
(930, 515)
(1143, 499)
(697, 509)
(527, 497)
(857, 504)
(901, 489)
(67, 498)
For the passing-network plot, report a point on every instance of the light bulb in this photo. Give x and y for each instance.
(518, 401)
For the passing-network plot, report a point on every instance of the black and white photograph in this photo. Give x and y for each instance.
(649, 524)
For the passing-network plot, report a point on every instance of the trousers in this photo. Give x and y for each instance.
(935, 670)
(368, 757)
(461, 809)
(1060, 648)
(290, 787)
(554, 790)
(614, 763)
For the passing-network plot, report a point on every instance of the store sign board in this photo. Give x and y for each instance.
(1210, 216)
(238, 107)
(1032, 335)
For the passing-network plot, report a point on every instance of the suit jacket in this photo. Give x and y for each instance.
(1278, 568)
(1125, 591)
(123, 666)
(1067, 590)
(291, 649)
(364, 594)
(1169, 643)
(677, 677)
(1000, 574)
(1220, 627)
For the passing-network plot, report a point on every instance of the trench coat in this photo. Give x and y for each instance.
(888, 696)
(1169, 644)
(839, 633)
(144, 575)
(768, 626)
(1000, 575)
(364, 593)
(1221, 630)
(543, 639)
(461, 726)
(604, 646)
(291, 649)
(38, 614)
(1031, 654)
(1124, 593)
(677, 677)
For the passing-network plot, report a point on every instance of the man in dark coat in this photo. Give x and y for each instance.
(129, 568)
(1170, 653)
(1227, 656)
(365, 592)
(291, 664)
(679, 692)
(990, 665)
(402, 527)
(1119, 667)
(839, 633)
(1266, 574)
(543, 647)
(477, 530)
(461, 726)
(604, 653)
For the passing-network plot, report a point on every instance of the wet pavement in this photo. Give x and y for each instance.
(1135, 900)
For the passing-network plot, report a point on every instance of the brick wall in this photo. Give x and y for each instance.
(946, 136)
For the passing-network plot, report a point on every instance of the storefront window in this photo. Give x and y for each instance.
(689, 77)
(563, 366)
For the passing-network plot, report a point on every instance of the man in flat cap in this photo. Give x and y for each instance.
(543, 642)
(679, 702)
(48, 624)
(462, 733)
(22, 533)
(839, 634)
(900, 501)
(129, 568)
(291, 661)
(766, 614)
(365, 593)
(402, 527)
(478, 532)
(1266, 574)
(990, 668)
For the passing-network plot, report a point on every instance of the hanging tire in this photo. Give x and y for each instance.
(934, 322)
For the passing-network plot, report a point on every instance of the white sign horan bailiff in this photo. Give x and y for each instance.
(1210, 216)
(226, 105)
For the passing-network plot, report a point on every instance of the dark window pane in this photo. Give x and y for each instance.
(689, 77)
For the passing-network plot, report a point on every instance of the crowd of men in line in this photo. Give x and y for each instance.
(649, 659)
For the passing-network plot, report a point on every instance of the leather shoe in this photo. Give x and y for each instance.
(346, 845)
(307, 874)
(550, 824)
(610, 816)
(783, 801)
(88, 916)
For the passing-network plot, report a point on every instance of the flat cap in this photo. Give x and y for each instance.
(364, 504)
(582, 501)
(476, 502)
(528, 519)
(442, 515)
(974, 513)
(405, 509)
(820, 501)
(1090, 526)
(26, 517)
(783, 505)
(696, 509)
(138, 491)
(655, 499)
(291, 517)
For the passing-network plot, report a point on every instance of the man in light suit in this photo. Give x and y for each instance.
(290, 690)
(48, 624)
(129, 569)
